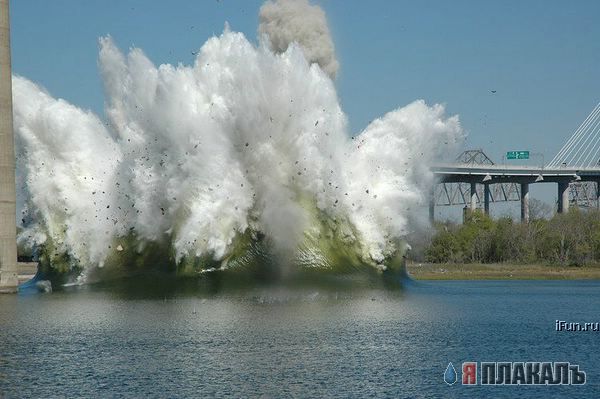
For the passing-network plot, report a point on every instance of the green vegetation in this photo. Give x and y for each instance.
(500, 271)
(571, 239)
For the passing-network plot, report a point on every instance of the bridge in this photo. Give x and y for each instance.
(575, 169)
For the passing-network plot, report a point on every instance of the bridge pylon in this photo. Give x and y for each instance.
(8, 229)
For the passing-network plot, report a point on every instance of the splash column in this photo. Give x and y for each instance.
(8, 228)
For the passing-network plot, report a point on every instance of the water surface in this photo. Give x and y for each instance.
(282, 342)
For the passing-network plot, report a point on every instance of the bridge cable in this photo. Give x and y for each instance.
(576, 139)
(573, 146)
(584, 146)
(573, 140)
(588, 161)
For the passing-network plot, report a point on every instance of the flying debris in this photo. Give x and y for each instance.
(229, 196)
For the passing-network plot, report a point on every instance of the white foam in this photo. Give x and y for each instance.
(196, 155)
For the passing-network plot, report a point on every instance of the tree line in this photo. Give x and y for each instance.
(571, 238)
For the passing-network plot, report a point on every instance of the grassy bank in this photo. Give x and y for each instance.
(500, 271)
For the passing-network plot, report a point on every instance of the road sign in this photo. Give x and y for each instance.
(517, 155)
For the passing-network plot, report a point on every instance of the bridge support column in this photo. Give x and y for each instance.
(8, 228)
(432, 204)
(524, 202)
(563, 197)
(473, 206)
(486, 198)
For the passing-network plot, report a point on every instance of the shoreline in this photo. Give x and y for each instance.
(450, 271)
(500, 271)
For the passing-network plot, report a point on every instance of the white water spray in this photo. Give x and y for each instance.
(245, 140)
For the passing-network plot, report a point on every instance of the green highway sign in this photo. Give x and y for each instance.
(517, 155)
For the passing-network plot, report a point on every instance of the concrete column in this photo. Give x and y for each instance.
(8, 228)
(432, 204)
(524, 203)
(598, 195)
(473, 206)
(486, 198)
(563, 197)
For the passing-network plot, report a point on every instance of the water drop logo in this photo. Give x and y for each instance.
(450, 374)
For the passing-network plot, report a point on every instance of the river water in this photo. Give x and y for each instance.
(276, 342)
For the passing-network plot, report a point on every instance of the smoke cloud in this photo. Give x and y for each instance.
(284, 22)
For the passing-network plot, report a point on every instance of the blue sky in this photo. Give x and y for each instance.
(541, 57)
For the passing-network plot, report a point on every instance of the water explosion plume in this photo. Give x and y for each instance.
(241, 156)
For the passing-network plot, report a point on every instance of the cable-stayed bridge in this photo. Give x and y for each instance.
(474, 179)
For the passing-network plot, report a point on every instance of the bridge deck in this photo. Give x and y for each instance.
(455, 173)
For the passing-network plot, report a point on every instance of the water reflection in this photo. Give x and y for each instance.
(257, 284)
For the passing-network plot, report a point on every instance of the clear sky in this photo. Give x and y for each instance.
(541, 57)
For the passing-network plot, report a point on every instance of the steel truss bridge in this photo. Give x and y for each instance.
(474, 179)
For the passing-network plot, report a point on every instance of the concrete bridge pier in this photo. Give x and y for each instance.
(432, 204)
(486, 198)
(473, 204)
(525, 202)
(563, 197)
(8, 229)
